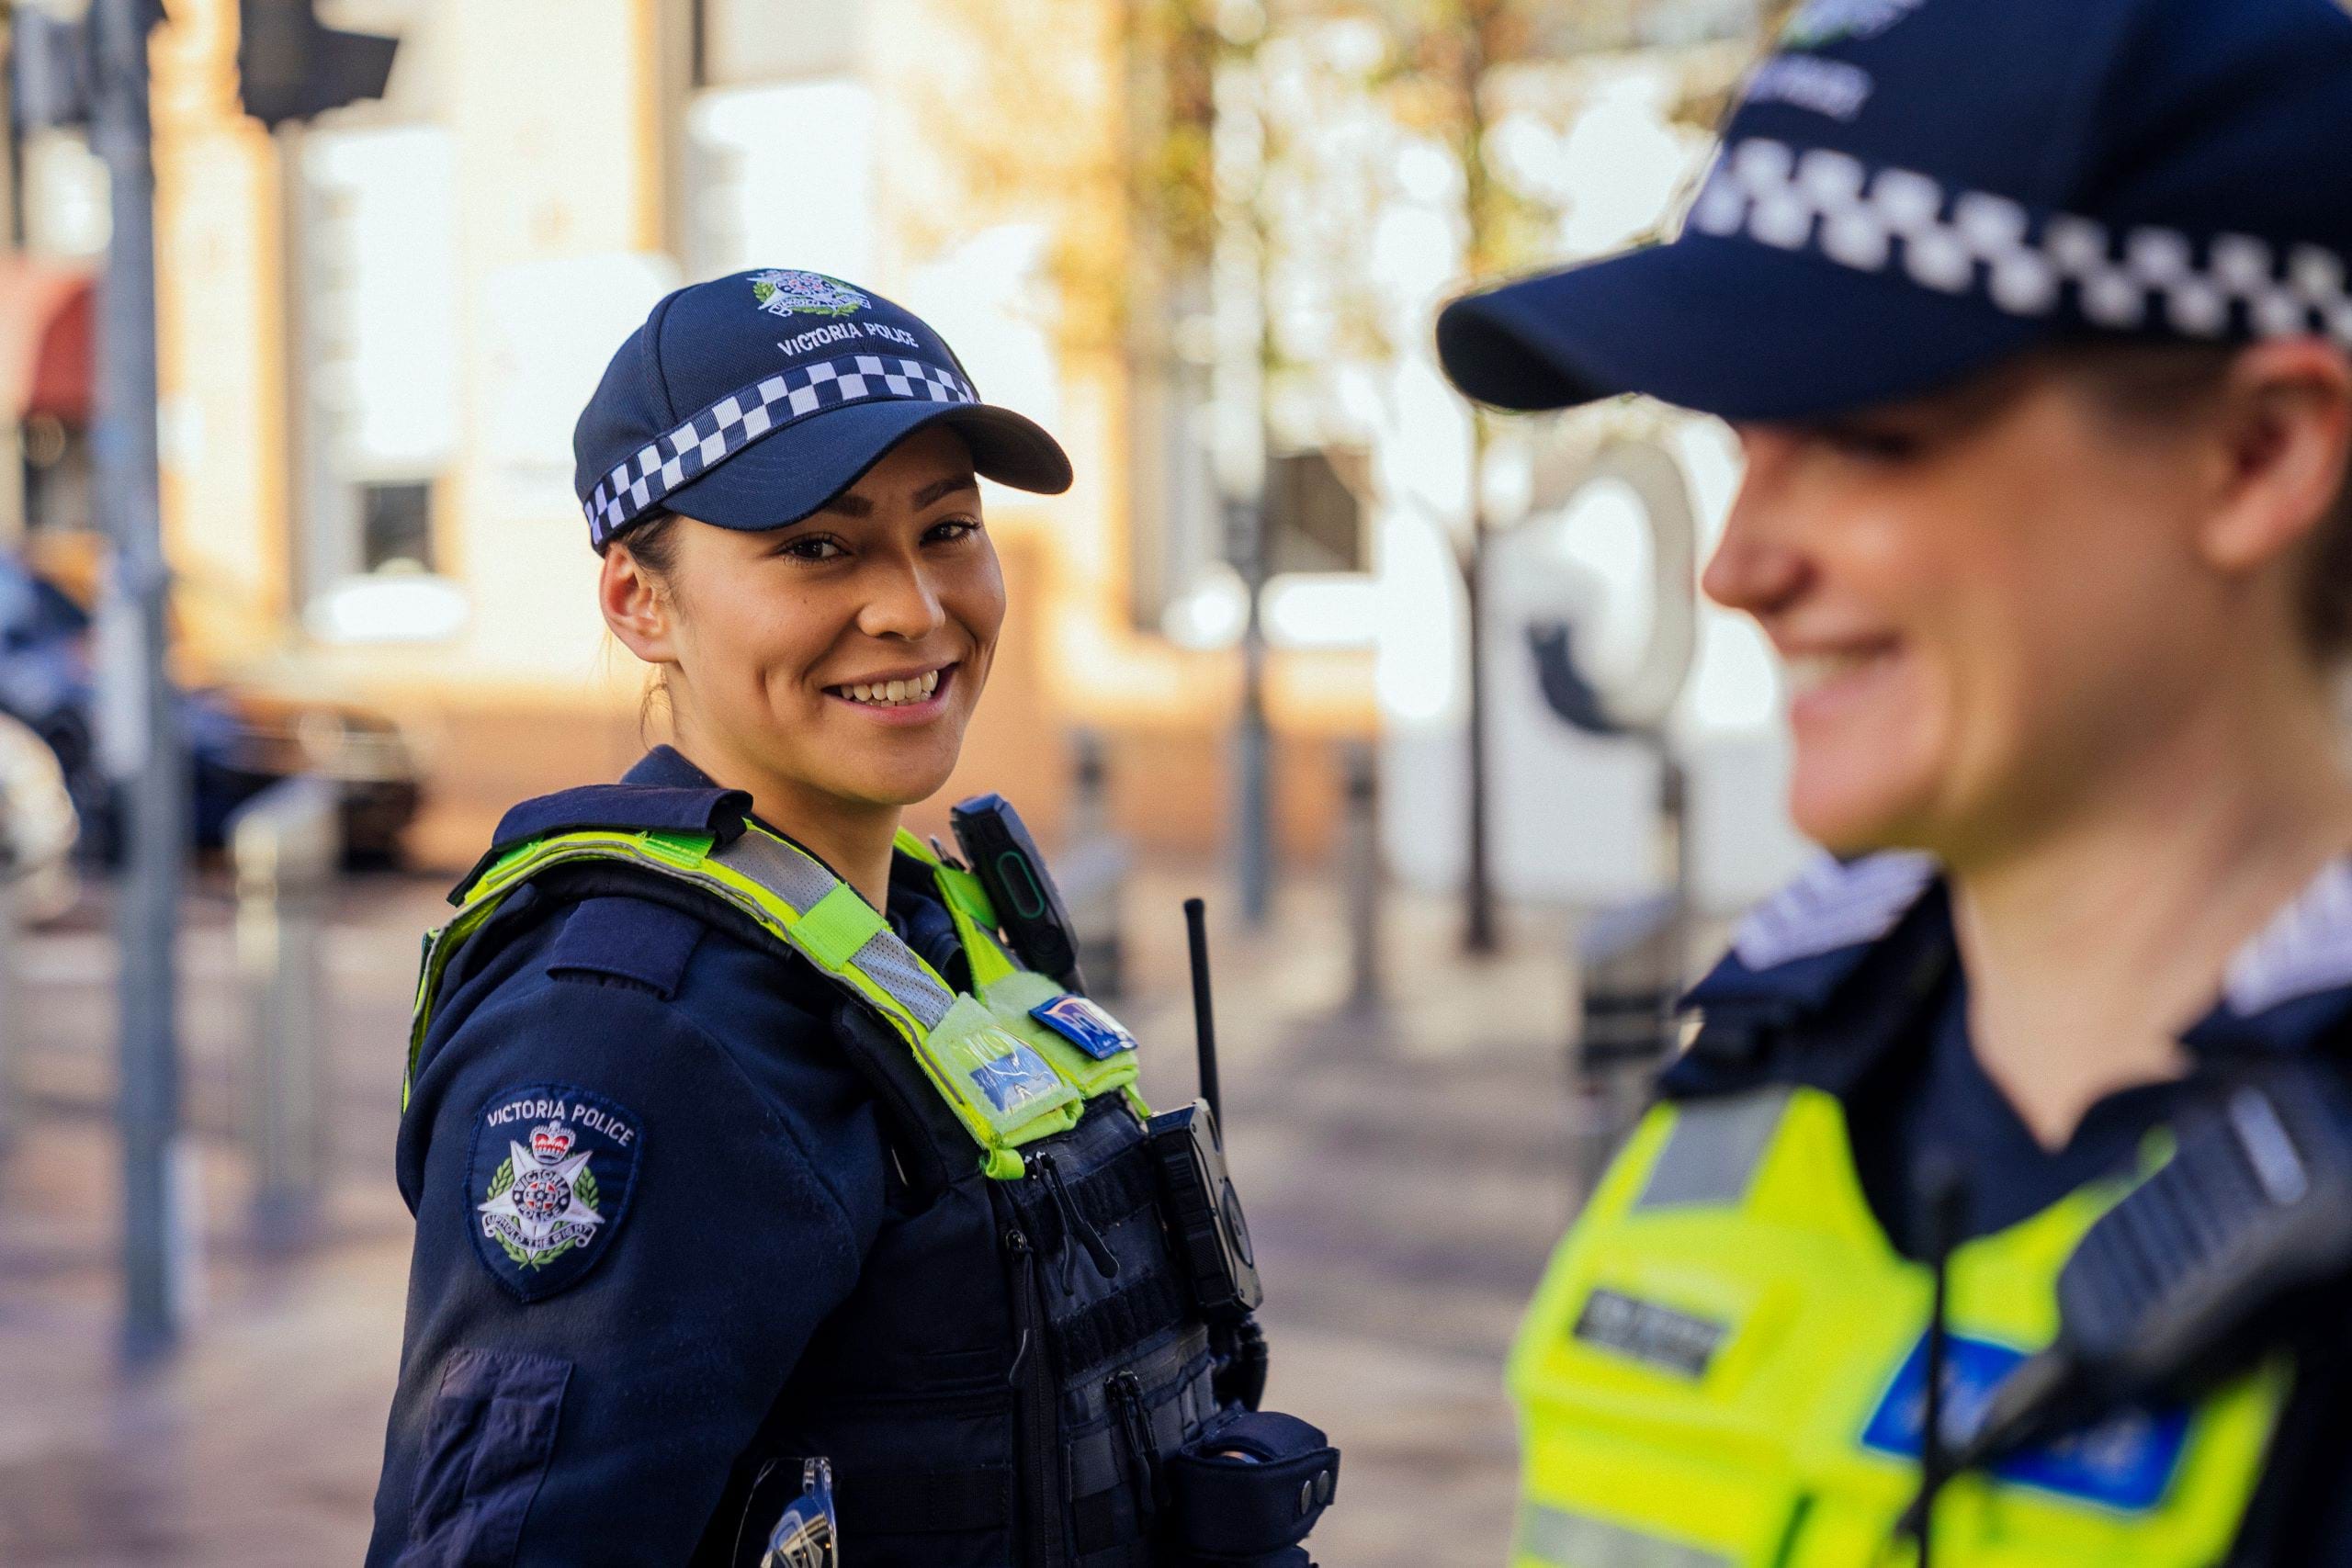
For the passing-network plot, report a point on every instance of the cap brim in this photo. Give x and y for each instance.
(783, 479)
(1725, 327)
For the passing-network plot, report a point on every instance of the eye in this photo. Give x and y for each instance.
(812, 548)
(1873, 443)
(951, 530)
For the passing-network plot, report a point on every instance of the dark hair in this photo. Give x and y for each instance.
(2144, 381)
(653, 540)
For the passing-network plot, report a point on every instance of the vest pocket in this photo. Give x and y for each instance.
(1246, 1491)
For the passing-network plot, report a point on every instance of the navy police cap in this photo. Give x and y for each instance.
(751, 400)
(1912, 190)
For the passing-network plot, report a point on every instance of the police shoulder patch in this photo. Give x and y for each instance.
(547, 1184)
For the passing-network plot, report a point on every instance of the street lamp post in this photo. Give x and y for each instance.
(138, 735)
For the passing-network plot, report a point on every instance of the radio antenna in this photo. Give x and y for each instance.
(1203, 1014)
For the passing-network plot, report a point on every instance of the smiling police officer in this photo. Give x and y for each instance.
(769, 1209)
(2033, 320)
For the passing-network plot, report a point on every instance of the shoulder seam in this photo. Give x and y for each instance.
(839, 1208)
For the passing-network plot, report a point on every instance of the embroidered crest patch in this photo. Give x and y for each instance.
(806, 294)
(549, 1183)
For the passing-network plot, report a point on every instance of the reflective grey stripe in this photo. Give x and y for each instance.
(796, 877)
(1712, 1153)
(776, 865)
(1579, 1540)
(892, 964)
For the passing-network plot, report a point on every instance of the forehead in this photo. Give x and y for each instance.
(929, 456)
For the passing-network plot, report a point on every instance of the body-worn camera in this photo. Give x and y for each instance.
(1211, 1237)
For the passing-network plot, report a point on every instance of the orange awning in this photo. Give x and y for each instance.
(47, 364)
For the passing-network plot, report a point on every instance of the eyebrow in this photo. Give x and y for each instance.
(851, 505)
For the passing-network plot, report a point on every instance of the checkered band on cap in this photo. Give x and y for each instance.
(736, 420)
(2143, 279)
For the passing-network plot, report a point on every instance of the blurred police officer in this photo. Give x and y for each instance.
(769, 1209)
(2033, 320)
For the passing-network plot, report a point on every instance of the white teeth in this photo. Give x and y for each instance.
(1811, 672)
(886, 693)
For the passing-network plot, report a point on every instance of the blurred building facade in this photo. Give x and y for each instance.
(376, 332)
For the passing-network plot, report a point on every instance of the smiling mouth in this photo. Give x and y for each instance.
(1810, 673)
(906, 692)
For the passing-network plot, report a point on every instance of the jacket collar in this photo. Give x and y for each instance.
(1845, 954)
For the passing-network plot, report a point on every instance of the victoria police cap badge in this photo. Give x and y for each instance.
(805, 294)
(549, 1180)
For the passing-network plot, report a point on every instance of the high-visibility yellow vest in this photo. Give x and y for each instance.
(1722, 1370)
(1010, 1078)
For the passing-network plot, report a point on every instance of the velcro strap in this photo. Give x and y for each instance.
(933, 1502)
(1119, 1323)
(1252, 1487)
(1110, 1194)
(837, 925)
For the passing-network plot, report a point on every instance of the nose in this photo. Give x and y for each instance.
(1757, 567)
(902, 602)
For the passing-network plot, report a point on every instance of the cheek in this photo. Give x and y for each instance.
(975, 600)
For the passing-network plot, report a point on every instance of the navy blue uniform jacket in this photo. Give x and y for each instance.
(587, 1409)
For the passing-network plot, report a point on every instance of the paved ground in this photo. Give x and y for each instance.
(1406, 1169)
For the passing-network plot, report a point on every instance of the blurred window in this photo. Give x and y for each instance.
(781, 176)
(745, 42)
(56, 475)
(66, 197)
(396, 525)
(379, 344)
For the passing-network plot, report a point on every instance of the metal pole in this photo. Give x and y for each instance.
(1478, 932)
(137, 724)
(12, 1001)
(1252, 743)
(1363, 875)
(1239, 279)
(12, 461)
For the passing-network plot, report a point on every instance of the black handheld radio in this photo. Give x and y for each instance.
(2194, 1270)
(1005, 858)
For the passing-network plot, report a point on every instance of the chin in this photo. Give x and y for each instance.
(1856, 814)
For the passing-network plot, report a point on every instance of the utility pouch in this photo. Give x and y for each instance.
(1244, 1493)
(1210, 1237)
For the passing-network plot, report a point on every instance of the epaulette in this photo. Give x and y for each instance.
(1800, 943)
(622, 807)
(2305, 951)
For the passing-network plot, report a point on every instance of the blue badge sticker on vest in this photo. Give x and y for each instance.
(1016, 1079)
(549, 1183)
(2126, 1462)
(1084, 1025)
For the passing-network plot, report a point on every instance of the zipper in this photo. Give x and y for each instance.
(1074, 1225)
(1038, 1424)
(1124, 1391)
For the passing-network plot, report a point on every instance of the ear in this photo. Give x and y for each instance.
(2287, 423)
(635, 606)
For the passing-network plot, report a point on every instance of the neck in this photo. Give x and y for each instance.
(2091, 946)
(853, 837)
